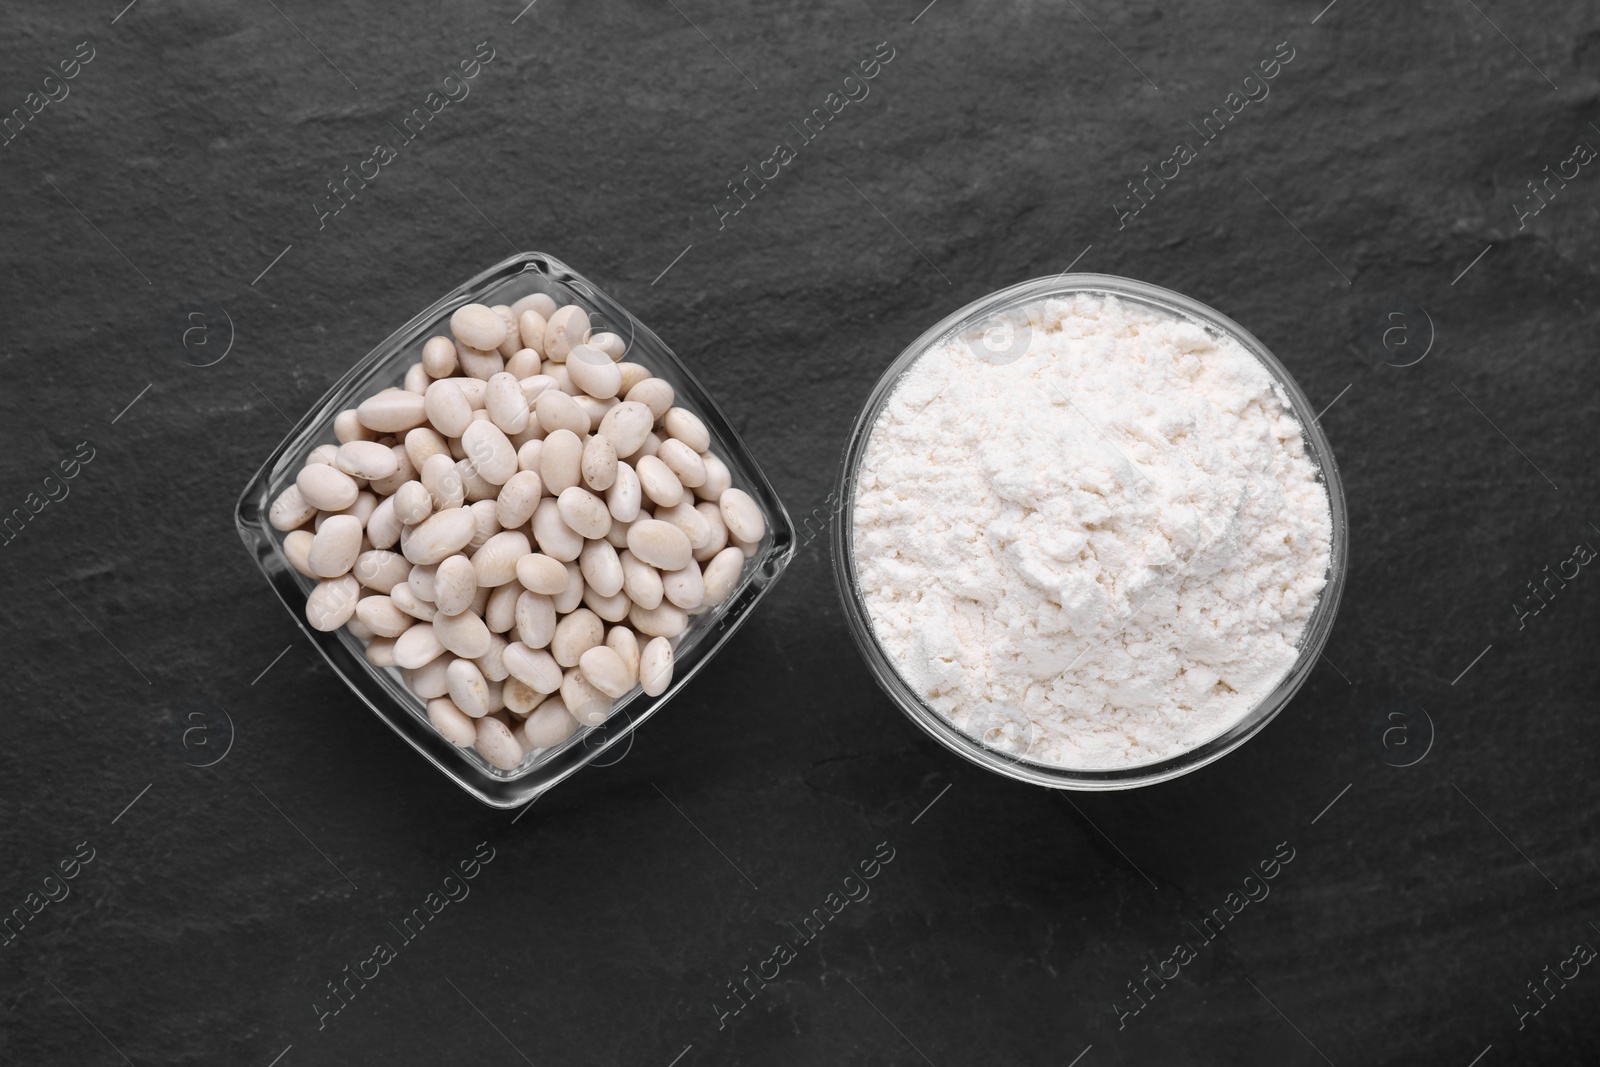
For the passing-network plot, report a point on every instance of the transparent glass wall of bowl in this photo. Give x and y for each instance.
(381, 689)
(936, 725)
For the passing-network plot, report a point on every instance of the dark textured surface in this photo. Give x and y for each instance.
(606, 928)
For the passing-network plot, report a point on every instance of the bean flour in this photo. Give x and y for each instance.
(1096, 547)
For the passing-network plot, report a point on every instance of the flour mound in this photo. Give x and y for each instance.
(1115, 538)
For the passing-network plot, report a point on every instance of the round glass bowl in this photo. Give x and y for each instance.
(992, 316)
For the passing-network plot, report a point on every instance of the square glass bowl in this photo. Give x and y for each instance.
(381, 688)
(996, 311)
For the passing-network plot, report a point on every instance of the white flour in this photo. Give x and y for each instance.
(1100, 554)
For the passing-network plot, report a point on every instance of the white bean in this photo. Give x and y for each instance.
(612, 608)
(534, 667)
(496, 561)
(366, 459)
(452, 723)
(297, 550)
(490, 451)
(517, 499)
(383, 527)
(599, 463)
(466, 634)
(424, 442)
(666, 619)
(378, 614)
(406, 599)
(719, 531)
(332, 603)
(536, 619)
(478, 326)
(687, 518)
(447, 407)
(593, 371)
(504, 401)
(442, 534)
(479, 364)
(524, 363)
(658, 481)
(455, 585)
(347, 427)
(584, 512)
(565, 328)
(412, 503)
(742, 515)
(685, 588)
(655, 394)
(560, 461)
(551, 532)
(443, 482)
(686, 426)
(531, 325)
(493, 662)
(717, 479)
(428, 680)
(605, 670)
(439, 357)
(627, 425)
(291, 509)
(640, 581)
(519, 696)
(496, 744)
(380, 569)
(584, 702)
(575, 634)
(500, 612)
(625, 495)
(659, 544)
(655, 666)
(625, 644)
(549, 725)
(682, 461)
(335, 547)
(392, 411)
(417, 646)
(326, 488)
(721, 575)
(468, 688)
(543, 574)
(570, 597)
(601, 567)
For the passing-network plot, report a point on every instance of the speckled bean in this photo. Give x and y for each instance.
(655, 666)
(291, 509)
(627, 425)
(496, 744)
(455, 725)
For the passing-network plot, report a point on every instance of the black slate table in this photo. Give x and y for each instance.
(1405, 212)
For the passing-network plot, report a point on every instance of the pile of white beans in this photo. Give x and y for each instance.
(523, 528)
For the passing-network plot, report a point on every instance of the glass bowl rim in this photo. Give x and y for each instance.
(1317, 629)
